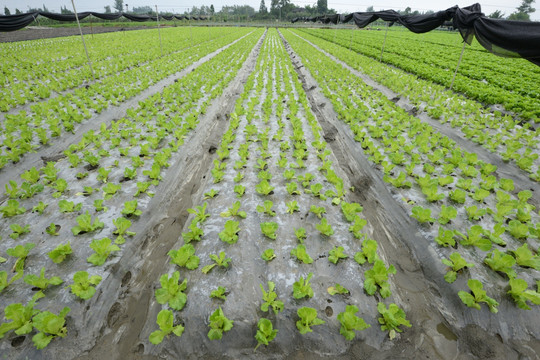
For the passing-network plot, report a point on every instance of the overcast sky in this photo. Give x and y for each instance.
(342, 6)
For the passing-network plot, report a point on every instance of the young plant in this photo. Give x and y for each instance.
(60, 253)
(40, 207)
(300, 234)
(85, 224)
(103, 248)
(264, 188)
(350, 210)
(12, 208)
(219, 324)
(49, 326)
(391, 319)
(447, 214)
(234, 210)
(130, 208)
(165, 321)
(266, 208)
(82, 284)
(200, 213)
(171, 291)
(269, 229)
(421, 214)
(456, 264)
(219, 293)
(21, 316)
(525, 257)
(220, 260)
(268, 255)
(270, 299)
(302, 288)
(301, 254)
(475, 237)
(478, 295)
(239, 190)
(230, 232)
(521, 294)
(184, 257)
(292, 206)
(308, 318)
(378, 277)
(69, 206)
(18, 230)
(211, 194)
(110, 190)
(501, 262)
(265, 332)
(122, 225)
(368, 253)
(350, 322)
(318, 210)
(337, 289)
(41, 282)
(292, 188)
(336, 253)
(325, 228)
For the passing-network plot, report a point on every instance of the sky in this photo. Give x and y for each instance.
(342, 6)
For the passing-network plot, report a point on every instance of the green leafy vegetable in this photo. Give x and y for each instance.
(219, 293)
(82, 284)
(230, 232)
(185, 257)
(165, 321)
(220, 260)
(171, 291)
(350, 322)
(391, 319)
(456, 263)
(268, 255)
(265, 332)
(270, 299)
(60, 253)
(86, 225)
(308, 318)
(301, 254)
(478, 295)
(41, 281)
(337, 289)
(49, 326)
(219, 324)
(269, 229)
(302, 288)
(378, 277)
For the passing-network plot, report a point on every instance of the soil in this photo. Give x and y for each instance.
(117, 322)
(42, 32)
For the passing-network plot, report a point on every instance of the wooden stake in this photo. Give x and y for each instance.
(82, 38)
(384, 42)
(159, 31)
(457, 67)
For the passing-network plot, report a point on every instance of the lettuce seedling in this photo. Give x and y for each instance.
(82, 284)
(28, 191)
(478, 295)
(32, 175)
(423, 215)
(21, 316)
(292, 206)
(86, 225)
(337, 289)
(60, 253)
(41, 281)
(325, 228)
(129, 173)
(475, 237)
(171, 291)
(122, 226)
(270, 299)
(230, 232)
(110, 190)
(103, 248)
(517, 229)
(391, 319)
(300, 234)
(350, 210)
(520, 294)
(445, 237)
(308, 318)
(165, 321)
(264, 188)
(501, 262)
(219, 293)
(220, 260)
(318, 210)
(292, 188)
(21, 253)
(68, 206)
(40, 207)
(336, 253)
(525, 257)
(185, 257)
(458, 196)
(350, 322)
(234, 210)
(154, 174)
(18, 230)
(200, 213)
(302, 288)
(194, 233)
(219, 324)
(269, 229)
(447, 213)
(265, 332)
(378, 277)
(211, 194)
(400, 181)
(456, 264)
(268, 255)
(357, 226)
(130, 208)
(12, 208)
(475, 213)
(239, 190)
(368, 253)
(301, 254)
(49, 326)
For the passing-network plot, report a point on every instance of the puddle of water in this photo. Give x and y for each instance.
(446, 332)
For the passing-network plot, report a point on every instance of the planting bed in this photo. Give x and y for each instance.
(261, 189)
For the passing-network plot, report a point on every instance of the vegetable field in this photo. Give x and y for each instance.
(268, 193)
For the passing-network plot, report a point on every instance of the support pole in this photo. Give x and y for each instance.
(350, 42)
(91, 26)
(457, 67)
(159, 31)
(384, 42)
(82, 38)
(190, 32)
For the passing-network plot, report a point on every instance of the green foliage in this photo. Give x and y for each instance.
(234, 210)
(219, 324)
(49, 326)
(20, 316)
(350, 322)
(265, 332)
(337, 289)
(270, 299)
(103, 248)
(447, 213)
(325, 228)
(525, 258)
(377, 276)
(318, 210)
(456, 264)
(85, 224)
(18, 230)
(82, 284)
(12, 208)
(368, 253)
(475, 237)
(292, 206)
(219, 293)
(301, 254)
(40, 207)
(194, 233)
(68, 206)
(130, 209)
(302, 288)
(478, 295)
(239, 190)
(110, 190)
(230, 232)
(165, 321)
(268, 255)
(445, 237)
(122, 225)
(391, 319)
(220, 260)
(184, 257)
(200, 213)
(211, 194)
(499, 261)
(519, 292)
(60, 253)
(264, 188)
(336, 253)
(41, 281)
(422, 215)
(171, 291)
(308, 318)
(269, 229)
(266, 208)
(517, 229)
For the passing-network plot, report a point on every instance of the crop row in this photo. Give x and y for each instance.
(28, 131)
(501, 134)
(78, 211)
(519, 92)
(477, 213)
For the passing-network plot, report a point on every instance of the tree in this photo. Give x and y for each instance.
(212, 9)
(322, 6)
(45, 8)
(107, 9)
(523, 11)
(496, 15)
(370, 9)
(274, 8)
(17, 11)
(263, 10)
(65, 10)
(119, 5)
(407, 10)
(7, 12)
